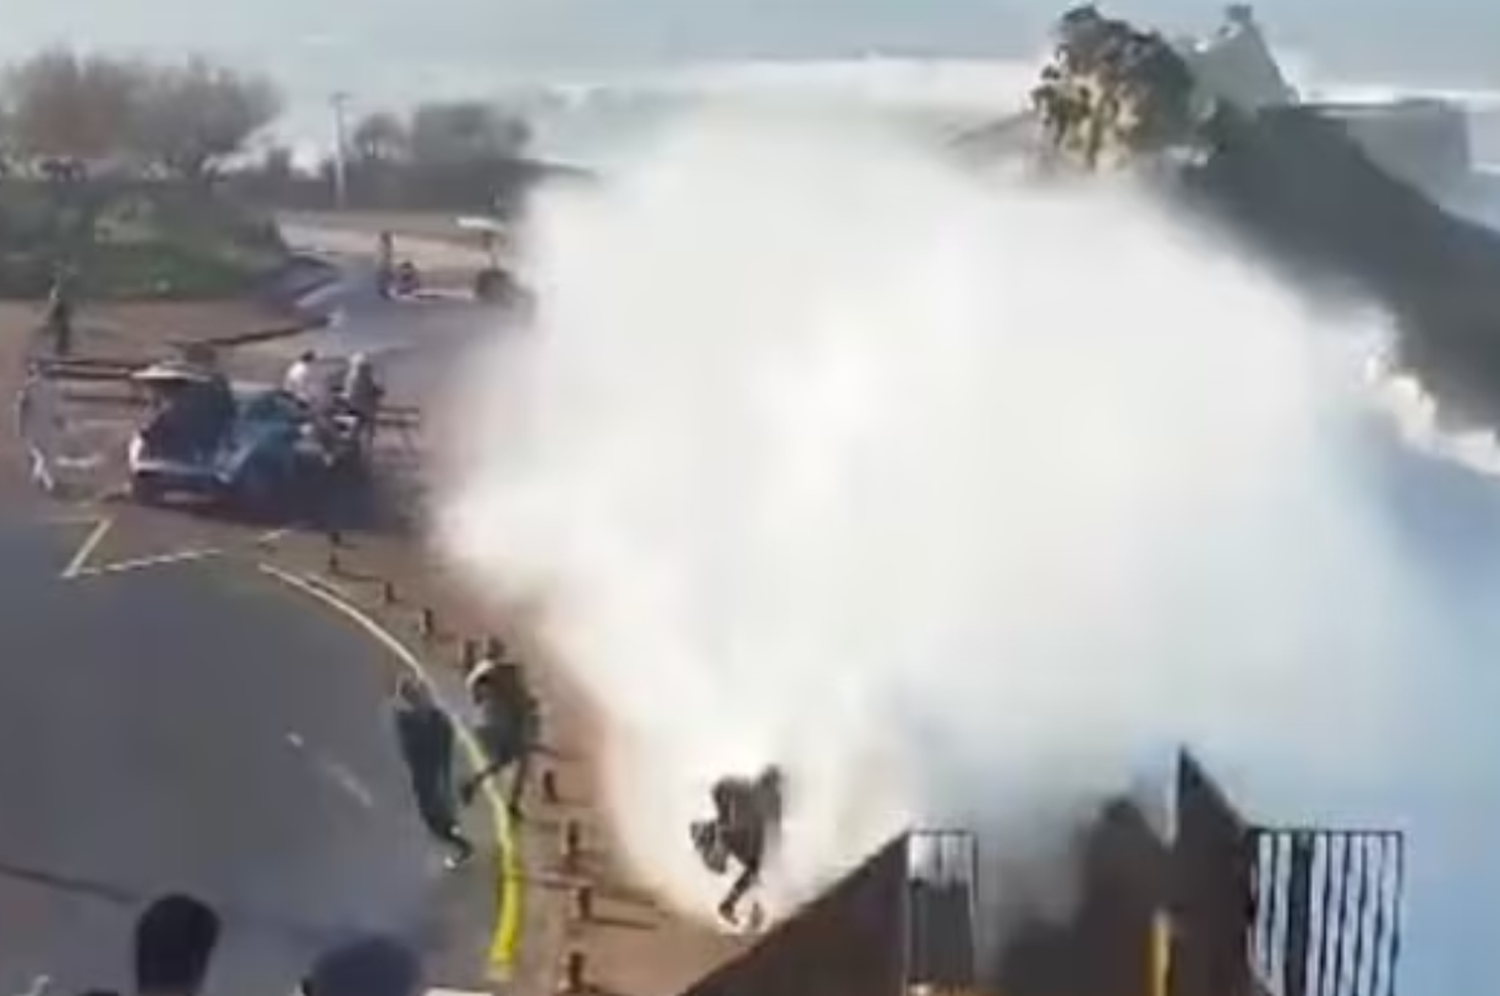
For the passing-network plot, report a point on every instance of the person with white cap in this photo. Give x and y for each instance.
(361, 393)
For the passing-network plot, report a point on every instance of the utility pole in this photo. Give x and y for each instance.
(340, 101)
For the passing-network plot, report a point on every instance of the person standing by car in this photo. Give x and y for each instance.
(425, 736)
(38, 425)
(385, 265)
(301, 380)
(60, 312)
(362, 393)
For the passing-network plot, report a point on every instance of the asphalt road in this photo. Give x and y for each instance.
(193, 727)
(418, 341)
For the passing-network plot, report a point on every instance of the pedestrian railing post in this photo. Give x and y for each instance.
(572, 845)
(583, 904)
(574, 974)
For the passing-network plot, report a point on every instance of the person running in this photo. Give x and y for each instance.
(747, 816)
(508, 727)
(426, 738)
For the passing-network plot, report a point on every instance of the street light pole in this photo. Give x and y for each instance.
(340, 101)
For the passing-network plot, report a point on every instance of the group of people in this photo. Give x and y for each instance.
(176, 938)
(507, 727)
(355, 391)
(1111, 83)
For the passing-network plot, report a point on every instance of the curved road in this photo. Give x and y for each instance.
(194, 727)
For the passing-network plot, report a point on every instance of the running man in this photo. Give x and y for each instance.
(426, 739)
(747, 817)
(508, 728)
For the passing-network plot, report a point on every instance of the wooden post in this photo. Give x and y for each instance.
(572, 845)
(583, 904)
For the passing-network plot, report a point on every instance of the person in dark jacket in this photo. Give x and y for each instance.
(426, 738)
(508, 727)
(747, 817)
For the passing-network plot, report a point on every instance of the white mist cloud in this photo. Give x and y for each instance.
(960, 500)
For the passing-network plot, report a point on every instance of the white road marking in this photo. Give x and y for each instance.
(337, 772)
(503, 945)
(39, 986)
(271, 536)
(140, 563)
(87, 462)
(347, 780)
(86, 550)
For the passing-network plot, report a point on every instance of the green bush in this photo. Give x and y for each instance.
(132, 241)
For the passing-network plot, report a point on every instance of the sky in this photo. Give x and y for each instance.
(378, 53)
(349, 42)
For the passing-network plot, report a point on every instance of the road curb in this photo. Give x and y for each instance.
(505, 937)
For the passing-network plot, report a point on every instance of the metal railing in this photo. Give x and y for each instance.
(1327, 910)
(943, 870)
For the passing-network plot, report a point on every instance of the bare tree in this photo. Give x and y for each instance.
(380, 137)
(66, 106)
(192, 116)
(465, 131)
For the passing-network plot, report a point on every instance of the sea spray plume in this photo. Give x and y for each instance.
(955, 501)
